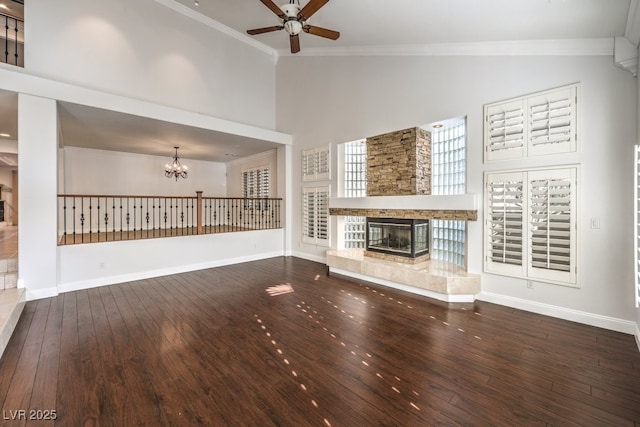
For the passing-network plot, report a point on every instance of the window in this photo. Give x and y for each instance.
(315, 215)
(316, 164)
(539, 124)
(355, 185)
(448, 150)
(530, 227)
(255, 184)
(637, 222)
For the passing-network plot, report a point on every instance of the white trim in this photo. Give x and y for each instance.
(20, 81)
(197, 16)
(468, 201)
(321, 259)
(600, 321)
(637, 334)
(568, 47)
(632, 29)
(406, 288)
(111, 280)
(33, 294)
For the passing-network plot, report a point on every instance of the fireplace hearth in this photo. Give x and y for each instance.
(398, 239)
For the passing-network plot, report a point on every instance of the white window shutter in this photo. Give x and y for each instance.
(322, 165)
(552, 122)
(315, 215)
(316, 164)
(505, 130)
(637, 222)
(543, 123)
(504, 226)
(551, 225)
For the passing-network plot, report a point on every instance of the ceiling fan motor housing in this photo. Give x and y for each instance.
(291, 23)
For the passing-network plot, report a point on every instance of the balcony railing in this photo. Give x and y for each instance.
(12, 39)
(101, 218)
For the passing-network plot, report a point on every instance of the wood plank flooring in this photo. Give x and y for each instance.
(214, 347)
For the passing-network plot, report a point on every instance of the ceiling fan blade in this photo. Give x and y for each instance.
(295, 43)
(274, 8)
(322, 32)
(264, 30)
(310, 8)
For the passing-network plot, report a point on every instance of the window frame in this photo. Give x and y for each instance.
(636, 221)
(525, 269)
(518, 114)
(316, 164)
(319, 232)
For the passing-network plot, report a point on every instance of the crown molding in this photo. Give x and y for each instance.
(564, 47)
(632, 30)
(212, 23)
(568, 47)
(625, 55)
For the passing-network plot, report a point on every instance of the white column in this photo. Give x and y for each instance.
(37, 178)
(285, 166)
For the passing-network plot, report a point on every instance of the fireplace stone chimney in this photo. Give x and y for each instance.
(399, 163)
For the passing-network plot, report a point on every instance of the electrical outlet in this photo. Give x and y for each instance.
(595, 223)
(529, 284)
(101, 265)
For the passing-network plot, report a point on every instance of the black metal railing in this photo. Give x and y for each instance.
(101, 218)
(12, 38)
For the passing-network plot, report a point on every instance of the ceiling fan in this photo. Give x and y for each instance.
(294, 20)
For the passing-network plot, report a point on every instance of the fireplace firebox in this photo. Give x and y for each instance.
(398, 239)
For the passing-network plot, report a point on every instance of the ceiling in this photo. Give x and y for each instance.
(362, 23)
(385, 23)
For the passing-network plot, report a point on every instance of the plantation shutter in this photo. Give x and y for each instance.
(505, 130)
(316, 164)
(552, 122)
(504, 223)
(637, 222)
(552, 232)
(542, 123)
(315, 215)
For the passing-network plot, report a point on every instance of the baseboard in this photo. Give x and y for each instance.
(316, 258)
(637, 334)
(33, 294)
(123, 278)
(606, 322)
(405, 288)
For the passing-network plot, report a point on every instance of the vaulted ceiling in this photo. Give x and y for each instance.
(365, 26)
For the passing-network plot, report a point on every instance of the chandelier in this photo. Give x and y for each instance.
(175, 169)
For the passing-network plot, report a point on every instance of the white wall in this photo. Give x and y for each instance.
(87, 266)
(148, 51)
(88, 171)
(355, 97)
(37, 144)
(237, 166)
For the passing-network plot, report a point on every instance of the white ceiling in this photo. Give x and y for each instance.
(385, 24)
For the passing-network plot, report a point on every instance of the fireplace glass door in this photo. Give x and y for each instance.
(404, 237)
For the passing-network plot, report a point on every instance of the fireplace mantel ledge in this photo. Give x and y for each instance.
(455, 202)
(461, 206)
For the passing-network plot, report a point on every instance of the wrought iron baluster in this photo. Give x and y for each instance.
(113, 218)
(6, 39)
(98, 217)
(82, 219)
(121, 218)
(16, 41)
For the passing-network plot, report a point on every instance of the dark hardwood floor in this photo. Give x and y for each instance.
(214, 347)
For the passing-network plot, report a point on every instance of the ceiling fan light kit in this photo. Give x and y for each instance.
(294, 21)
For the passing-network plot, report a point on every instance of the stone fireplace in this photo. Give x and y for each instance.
(399, 164)
(398, 207)
(398, 239)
